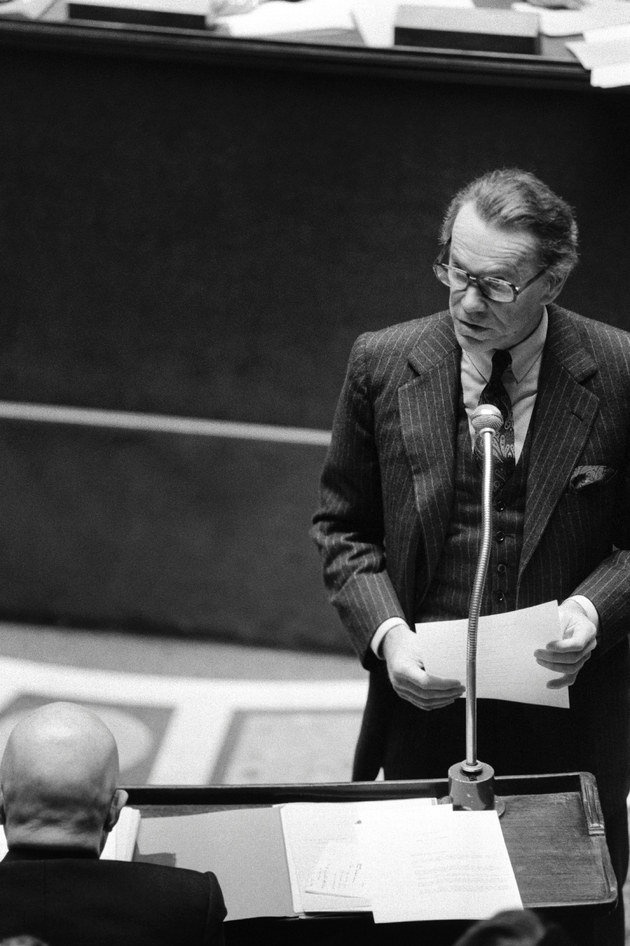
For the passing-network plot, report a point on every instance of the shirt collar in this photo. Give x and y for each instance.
(33, 852)
(524, 354)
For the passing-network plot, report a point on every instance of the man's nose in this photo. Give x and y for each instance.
(473, 300)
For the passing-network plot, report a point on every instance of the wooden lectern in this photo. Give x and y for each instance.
(553, 829)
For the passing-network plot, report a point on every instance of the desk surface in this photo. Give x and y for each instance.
(556, 65)
(552, 825)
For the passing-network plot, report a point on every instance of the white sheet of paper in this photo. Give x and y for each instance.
(595, 55)
(280, 16)
(611, 77)
(121, 841)
(438, 865)
(308, 828)
(574, 22)
(506, 668)
(606, 52)
(322, 850)
(339, 872)
(607, 34)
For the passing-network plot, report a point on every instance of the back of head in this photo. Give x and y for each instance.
(58, 779)
(516, 200)
(514, 928)
(22, 941)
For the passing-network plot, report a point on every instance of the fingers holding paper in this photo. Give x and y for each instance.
(568, 655)
(402, 651)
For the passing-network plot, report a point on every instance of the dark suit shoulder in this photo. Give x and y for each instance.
(590, 329)
(593, 351)
(154, 877)
(185, 884)
(156, 873)
(406, 334)
(385, 353)
(72, 901)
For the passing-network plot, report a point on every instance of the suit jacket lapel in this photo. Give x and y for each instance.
(563, 417)
(428, 419)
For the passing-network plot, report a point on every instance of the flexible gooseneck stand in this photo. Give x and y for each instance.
(471, 783)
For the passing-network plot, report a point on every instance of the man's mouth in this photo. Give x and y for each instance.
(471, 326)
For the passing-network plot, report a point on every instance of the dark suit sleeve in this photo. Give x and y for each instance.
(216, 913)
(608, 586)
(348, 527)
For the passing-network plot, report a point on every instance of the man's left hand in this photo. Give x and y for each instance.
(568, 655)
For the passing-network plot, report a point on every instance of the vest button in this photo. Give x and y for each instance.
(501, 569)
(500, 596)
(500, 506)
(500, 536)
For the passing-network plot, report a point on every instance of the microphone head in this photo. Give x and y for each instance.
(486, 417)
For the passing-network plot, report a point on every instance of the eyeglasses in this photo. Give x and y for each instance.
(497, 290)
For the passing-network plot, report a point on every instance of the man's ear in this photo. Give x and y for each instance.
(117, 804)
(555, 283)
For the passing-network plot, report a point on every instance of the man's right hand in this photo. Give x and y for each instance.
(405, 666)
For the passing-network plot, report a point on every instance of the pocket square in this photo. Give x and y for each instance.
(583, 476)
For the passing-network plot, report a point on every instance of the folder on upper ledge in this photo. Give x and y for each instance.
(182, 14)
(478, 29)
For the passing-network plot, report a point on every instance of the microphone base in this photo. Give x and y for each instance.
(472, 789)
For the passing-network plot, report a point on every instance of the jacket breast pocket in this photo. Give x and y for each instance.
(591, 496)
(591, 477)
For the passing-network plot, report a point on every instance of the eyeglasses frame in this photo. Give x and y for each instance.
(474, 280)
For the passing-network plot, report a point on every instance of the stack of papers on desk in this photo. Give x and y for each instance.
(326, 863)
(605, 25)
(408, 859)
(121, 841)
(595, 14)
(438, 864)
(606, 52)
(403, 860)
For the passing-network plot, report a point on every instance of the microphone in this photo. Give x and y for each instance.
(471, 783)
(486, 420)
(486, 416)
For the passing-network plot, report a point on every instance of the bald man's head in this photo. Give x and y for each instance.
(58, 779)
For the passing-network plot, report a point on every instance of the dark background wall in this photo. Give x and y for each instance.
(207, 241)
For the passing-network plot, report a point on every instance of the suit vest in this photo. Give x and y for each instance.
(449, 592)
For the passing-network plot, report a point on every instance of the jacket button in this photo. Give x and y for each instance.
(500, 506)
(500, 596)
(500, 536)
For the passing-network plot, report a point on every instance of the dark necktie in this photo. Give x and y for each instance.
(503, 443)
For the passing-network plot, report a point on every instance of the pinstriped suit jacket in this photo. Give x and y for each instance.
(388, 485)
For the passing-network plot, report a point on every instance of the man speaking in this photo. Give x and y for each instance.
(399, 521)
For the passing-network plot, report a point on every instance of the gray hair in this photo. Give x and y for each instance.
(23, 940)
(517, 200)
